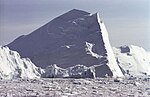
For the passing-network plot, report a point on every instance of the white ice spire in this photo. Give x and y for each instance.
(114, 67)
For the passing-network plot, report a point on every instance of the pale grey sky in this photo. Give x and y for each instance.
(127, 21)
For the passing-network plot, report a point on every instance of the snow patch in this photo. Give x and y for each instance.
(89, 50)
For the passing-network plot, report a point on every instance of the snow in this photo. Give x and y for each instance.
(67, 46)
(89, 50)
(13, 66)
(133, 59)
(74, 22)
(111, 58)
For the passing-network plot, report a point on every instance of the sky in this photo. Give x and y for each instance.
(127, 21)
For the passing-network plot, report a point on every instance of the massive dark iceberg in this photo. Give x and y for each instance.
(76, 37)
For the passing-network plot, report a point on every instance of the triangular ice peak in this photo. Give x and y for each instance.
(76, 37)
(78, 11)
(72, 14)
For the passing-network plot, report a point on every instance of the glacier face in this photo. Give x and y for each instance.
(76, 37)
(13, 66)
(77, 71)
(133, 60)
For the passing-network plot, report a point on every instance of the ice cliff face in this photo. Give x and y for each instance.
(53, 71)
(13, 66)
(76, 37)
(77, 71)
(133, 60)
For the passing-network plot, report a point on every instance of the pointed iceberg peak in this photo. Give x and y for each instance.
(78, 11)
(84, 33)
(73, 14)
(98, 18)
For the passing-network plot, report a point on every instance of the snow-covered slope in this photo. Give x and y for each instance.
(13, 66)
(76, 37)
(134, 60)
